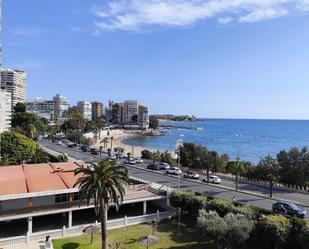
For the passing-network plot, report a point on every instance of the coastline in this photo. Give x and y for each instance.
(119, 136)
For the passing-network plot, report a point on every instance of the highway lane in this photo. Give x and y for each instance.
(171, 181)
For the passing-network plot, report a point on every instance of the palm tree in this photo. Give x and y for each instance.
(5, 160)
(237, 168)
(105, 142)
(269, 168)
(104, 184)
(39, 155)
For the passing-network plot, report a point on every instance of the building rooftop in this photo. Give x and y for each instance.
(32, 178)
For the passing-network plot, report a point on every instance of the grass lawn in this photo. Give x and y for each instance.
(167, 233)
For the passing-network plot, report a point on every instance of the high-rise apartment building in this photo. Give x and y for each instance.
(143, 117)
(5, 111)
(130, 112)
(14, 82)
(117, 116)
(97, 110)
(85, 108)
(61, 107)
(42, 108)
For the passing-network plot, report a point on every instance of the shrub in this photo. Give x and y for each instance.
(232, 231)
(188, 202)
(270, 232)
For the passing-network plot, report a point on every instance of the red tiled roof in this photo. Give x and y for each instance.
(29, 178)
(12, 180)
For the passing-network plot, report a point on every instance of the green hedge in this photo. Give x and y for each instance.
(270, 231)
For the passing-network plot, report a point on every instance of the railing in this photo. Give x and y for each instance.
(77, 230)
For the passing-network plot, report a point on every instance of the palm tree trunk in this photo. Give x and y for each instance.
(207, 174)
(236, 181)
(104, 226)
(270, 189)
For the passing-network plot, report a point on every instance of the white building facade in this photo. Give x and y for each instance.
(42, 108)
(85, 108)
(5, 111)
(14, 82)
(61, 107)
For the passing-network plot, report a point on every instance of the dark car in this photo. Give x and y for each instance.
(288, 208)
(85, 148)
(153, 166)
(94, 151)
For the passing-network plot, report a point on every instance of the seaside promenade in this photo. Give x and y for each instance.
(249, 193)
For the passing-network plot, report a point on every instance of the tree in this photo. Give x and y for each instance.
(105, 141)
(146, 154)
(156, 157)
(294, 166)
(17, 147)
(39, 155)
(28, 124)
(104, 184)
(269, 171)
(232, 231)
(236, 168)
(166, 157)
(153, 122)
(19, 107)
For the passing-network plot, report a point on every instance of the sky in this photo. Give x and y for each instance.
(209, 58)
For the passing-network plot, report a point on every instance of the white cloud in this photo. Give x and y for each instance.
(134, 15)
(264, 14)
(225, 20)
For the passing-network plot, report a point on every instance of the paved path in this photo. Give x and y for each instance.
(250, 194)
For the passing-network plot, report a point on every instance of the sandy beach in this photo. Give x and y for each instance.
(118, 137)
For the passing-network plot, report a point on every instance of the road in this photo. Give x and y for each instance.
(250, 194)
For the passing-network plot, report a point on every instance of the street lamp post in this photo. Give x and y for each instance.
(237, 161)
(178, 144)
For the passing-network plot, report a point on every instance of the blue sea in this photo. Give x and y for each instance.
(255, 138)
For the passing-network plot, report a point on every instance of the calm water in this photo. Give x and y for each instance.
(257, 137)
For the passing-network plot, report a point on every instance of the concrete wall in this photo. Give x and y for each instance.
(13, 204)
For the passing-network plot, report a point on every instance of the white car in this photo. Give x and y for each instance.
(112, 157)
(174, 171)
(164, 166)
(213, 179)
(191, 174)
(130, 161)
(139, 160)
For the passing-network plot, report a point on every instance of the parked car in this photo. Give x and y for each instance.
(164, 166)
(213, 179)
(153, 166)
(130, 161)
(288, 208)
(85, 148)
(94, 151)
(174, 171)
(191, 174)
(112, 157)
(72, 145)
(139, 160)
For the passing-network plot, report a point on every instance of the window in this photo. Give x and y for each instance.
(76, 196)
(61, 198)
